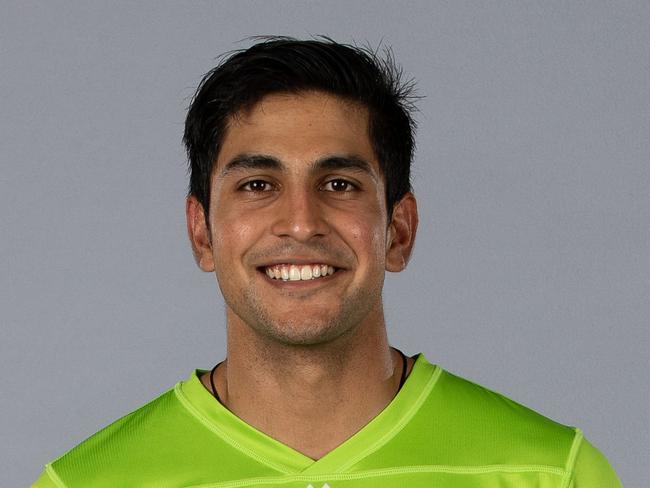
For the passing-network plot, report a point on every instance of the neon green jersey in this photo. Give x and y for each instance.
(439, 431)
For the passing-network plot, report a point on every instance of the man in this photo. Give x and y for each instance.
(299, 201)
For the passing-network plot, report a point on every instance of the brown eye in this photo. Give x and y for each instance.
(256, 186)
(338, 186)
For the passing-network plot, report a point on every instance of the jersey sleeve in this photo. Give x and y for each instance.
(592, 469)
(44, 481)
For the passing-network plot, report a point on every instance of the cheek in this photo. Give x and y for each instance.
(231, 237)
(368, 240)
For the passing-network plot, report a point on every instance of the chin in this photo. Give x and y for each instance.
(293, 333)
(323, 324)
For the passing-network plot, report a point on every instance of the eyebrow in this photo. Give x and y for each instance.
(348, 162)
(243, 162)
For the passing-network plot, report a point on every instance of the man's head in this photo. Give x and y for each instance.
(286, 65)
(290, 208)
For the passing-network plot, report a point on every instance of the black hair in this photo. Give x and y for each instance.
(288, 65)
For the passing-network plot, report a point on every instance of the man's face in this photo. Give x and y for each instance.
(297, 193)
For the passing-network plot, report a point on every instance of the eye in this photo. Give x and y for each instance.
(256, 186)
(339, 185)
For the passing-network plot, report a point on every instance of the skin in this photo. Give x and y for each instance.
(308, 362)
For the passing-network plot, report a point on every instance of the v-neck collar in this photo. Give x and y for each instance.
(278, 456)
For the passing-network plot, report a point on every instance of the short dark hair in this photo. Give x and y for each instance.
(288, 65)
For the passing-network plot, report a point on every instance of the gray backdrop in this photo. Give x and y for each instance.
(531, 270)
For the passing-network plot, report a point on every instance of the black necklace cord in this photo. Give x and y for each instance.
(214, 389)
(404, 368)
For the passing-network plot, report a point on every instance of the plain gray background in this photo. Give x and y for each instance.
(531, 272)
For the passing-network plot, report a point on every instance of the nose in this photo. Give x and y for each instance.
(299, 215)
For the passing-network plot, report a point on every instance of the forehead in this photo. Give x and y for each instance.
(299, 128)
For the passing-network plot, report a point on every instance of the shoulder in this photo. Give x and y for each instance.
(128, 448)
(464, 423)
(497, 415)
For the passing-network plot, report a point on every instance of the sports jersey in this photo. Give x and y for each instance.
(439, 431)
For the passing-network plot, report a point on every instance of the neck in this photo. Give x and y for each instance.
(311, 398)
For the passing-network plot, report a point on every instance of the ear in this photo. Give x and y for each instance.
(199, 234)
(400, 236)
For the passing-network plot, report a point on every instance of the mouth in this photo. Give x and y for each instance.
(298, 272)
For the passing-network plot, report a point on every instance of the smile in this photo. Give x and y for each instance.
(303, 272)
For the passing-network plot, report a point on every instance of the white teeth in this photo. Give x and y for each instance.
(294, 273)
(305, 272)
(298, 272)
